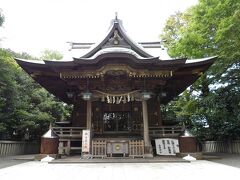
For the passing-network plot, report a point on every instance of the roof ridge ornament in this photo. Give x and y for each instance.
(116, 15)
(116, 37)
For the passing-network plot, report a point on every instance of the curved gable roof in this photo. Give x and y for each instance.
(117, 34)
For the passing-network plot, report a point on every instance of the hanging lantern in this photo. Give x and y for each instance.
(70, 94)
(146, 95)
(86, 96)
(163, 94)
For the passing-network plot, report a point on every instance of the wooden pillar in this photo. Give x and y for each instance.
(89, 115)
(159, 113)
(146, 137)
(88, 127)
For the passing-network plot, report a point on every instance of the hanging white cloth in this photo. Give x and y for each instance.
(117, 98)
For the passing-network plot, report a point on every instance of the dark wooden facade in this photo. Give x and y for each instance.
(98, 109)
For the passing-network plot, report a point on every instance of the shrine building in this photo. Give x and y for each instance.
(116, 88)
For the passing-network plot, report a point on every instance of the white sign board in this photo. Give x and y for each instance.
(86, 141)
(167, 146)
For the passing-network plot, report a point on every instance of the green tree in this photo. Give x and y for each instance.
(51, 55)
(209, 28)
(1, 18)
(25, 107)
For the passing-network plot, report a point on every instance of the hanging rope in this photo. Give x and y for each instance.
(117, 98)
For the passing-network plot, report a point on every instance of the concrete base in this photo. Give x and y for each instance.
(148, 151)
(149, 155)
(86, 156)
(38, 157)
(78, 159)
(197, 155)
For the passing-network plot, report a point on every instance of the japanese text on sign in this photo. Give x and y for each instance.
(167, 146)
(85, 141)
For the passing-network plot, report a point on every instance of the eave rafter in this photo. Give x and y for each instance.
(132, 73)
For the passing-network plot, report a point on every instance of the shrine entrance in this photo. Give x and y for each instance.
(116, 89)
(116, 122)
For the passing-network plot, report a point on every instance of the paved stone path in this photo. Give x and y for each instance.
(197, 170)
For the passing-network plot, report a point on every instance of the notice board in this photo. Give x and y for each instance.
(167, 146)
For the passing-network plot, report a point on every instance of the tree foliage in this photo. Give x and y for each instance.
(211, 107)
(48, 54)
(25, 107)
(1, 18)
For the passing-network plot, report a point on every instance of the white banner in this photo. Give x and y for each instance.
(86, 141)
(167, 146)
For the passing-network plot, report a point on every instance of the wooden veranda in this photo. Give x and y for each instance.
(134, 147)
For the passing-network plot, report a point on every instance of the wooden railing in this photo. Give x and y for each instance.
(68, 135)
(136, 148)
(221, 146)
(165, 131)
(18, 147)
(104, 148)
(69, 132)
(99, 148)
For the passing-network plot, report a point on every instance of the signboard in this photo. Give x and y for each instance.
(167, 146)
(86, 141)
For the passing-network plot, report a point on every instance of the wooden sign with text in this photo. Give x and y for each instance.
(86, 141)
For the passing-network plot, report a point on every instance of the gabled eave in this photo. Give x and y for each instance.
(117, 25)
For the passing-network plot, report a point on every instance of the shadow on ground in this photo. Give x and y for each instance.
(226, 159)
(7, 161)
